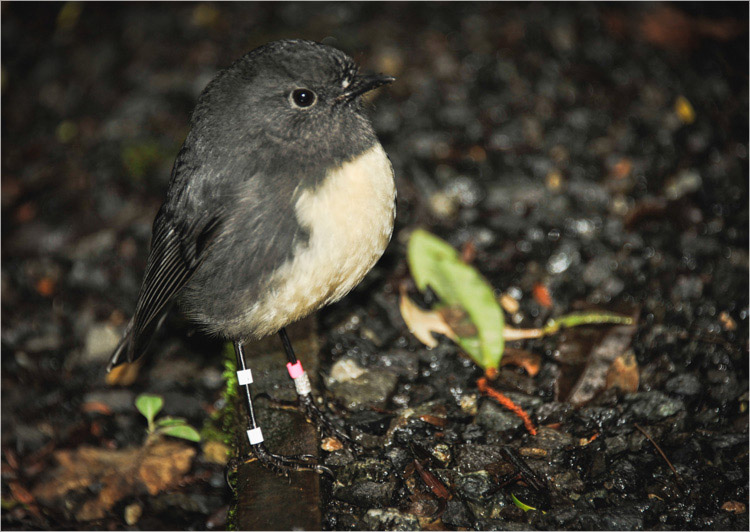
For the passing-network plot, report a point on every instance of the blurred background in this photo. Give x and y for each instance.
(597, 150)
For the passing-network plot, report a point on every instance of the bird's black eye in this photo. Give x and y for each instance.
(303, 97)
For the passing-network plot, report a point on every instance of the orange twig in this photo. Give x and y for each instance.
(486, 389)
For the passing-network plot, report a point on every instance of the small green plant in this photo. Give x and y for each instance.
(435, 263)
(523, 506)
(177, 427)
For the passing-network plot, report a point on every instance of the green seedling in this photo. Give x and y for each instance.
(523, 506)
(177, 427)
(436, 264)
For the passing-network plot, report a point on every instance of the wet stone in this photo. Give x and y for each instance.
(389, 519)
(472, 432)
(402, 362)
(101, 340)
(476, 486)
(654, 406)
(598, 417)
(399, 457)
(616, 445)
(494, 417)
(373, 388)
(551, 439)
(370, 483)
(370, 422)
(573, 519)
(476, 457)
(554, 412)
(457, 514)
(685, 384)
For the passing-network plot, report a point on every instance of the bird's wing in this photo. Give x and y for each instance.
(177, 249)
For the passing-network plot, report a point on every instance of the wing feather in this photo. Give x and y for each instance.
(176, 252)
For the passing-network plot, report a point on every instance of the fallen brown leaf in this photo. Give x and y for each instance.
(331, 444)
(96, 407)
(727, 322)
(608, 346)
(623, 373)
(734, 507)
(423, 323)
(527, 360)
(542, 295)
(216, 452)
(121, 473)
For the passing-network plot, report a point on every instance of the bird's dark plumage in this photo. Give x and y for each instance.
(273, 210)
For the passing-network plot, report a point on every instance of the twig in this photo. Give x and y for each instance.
(648, 436)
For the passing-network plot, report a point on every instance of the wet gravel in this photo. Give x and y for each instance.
(552, 141)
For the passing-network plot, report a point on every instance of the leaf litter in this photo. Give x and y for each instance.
(121, 473)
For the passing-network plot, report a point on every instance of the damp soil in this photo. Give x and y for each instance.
(580, 156)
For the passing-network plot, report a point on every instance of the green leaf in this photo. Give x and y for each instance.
(149, 406)
(434, 263)
(522, 506)
(169, 421)
(186, 432)
(424, 251)
(476, 296)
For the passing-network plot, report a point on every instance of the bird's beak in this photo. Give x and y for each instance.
(363, 84)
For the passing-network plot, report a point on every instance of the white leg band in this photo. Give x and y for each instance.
(244, 377)
(255, 436)
(302, 383)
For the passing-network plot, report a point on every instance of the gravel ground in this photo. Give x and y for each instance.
(598, 153)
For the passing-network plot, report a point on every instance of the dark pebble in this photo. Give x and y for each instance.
(476, 457)
(476, 486)
(370, 483)
(389, 519)
(685, 384)
(496, 418)
(653, 406)
(457, 514)
(554, 412)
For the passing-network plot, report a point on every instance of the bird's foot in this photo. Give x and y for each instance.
(326, 426)
(283, 465)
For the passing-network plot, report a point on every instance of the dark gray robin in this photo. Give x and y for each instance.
(280, 201)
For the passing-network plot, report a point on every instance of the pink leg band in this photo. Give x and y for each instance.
(295, 370)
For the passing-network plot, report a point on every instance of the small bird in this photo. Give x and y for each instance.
(280, 201)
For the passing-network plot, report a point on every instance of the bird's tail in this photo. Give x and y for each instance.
(120, 354)
(132, 346)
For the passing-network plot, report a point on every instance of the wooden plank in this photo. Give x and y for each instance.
(266, 500)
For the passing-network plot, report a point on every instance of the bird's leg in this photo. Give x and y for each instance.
(306, 400)
(279, 464)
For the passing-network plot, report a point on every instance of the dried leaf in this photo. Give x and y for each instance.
(623, 373)
(432, 482)
(734, 507)
(423, 323)
(527, 360)
(593, 379)
(331, 444)
(96, 407)
(542, 296)
(120, 473)
(216, 452)
(434, 420)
